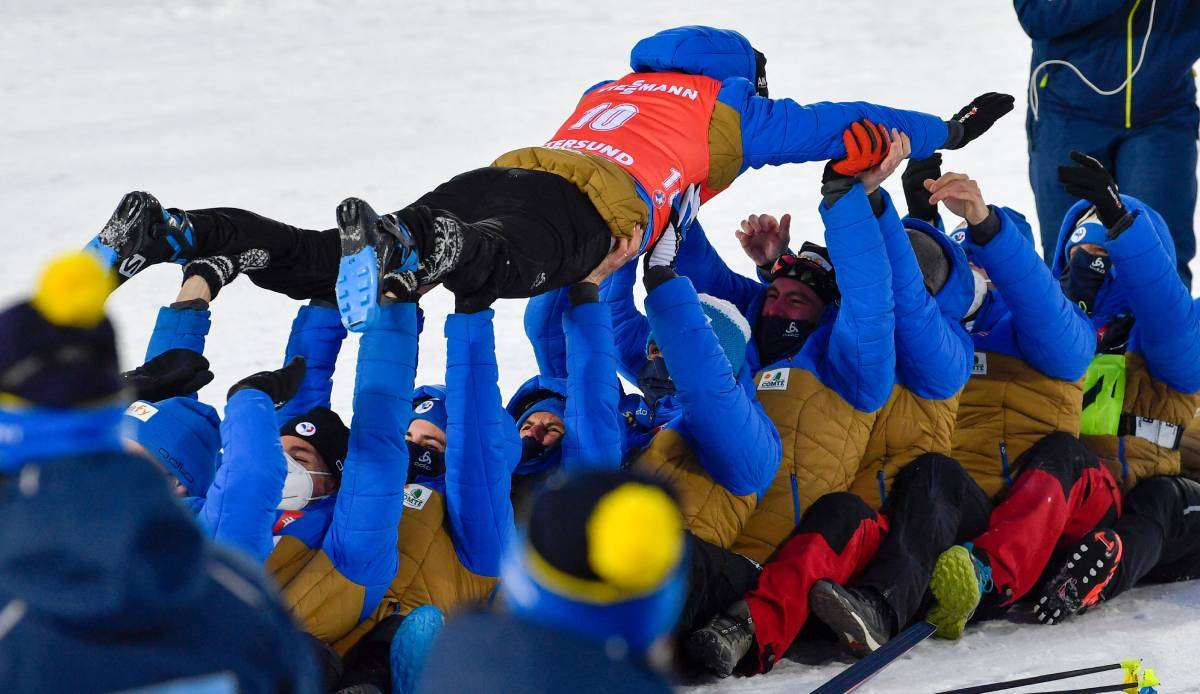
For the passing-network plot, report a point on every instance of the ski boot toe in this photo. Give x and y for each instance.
(859, 622)
(366, 270)
(957, 587)
(724, 641)
(140, 233)
(1082, 580)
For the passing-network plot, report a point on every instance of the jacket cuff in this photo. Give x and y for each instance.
(583, 293)
(954, 135)
(658, 275)
(986, 230)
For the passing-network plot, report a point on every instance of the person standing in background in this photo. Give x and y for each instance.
(1114, 79)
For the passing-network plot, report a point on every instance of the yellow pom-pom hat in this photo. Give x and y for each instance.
(603, 557)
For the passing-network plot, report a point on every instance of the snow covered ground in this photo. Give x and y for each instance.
(287, 106)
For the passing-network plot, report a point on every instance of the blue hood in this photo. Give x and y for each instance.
(696, 50)
(955, 296)
(530, 393)
(1110, 300)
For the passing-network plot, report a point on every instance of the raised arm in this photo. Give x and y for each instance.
(182, 325)
(317, 335)
(737, 443)
(629, 327)
(544, 328)
(699, 261)
(594, 427)
(1168, 320)
(482, 446)
(1048, 19)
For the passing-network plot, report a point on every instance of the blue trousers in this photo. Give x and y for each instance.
(1155, 163)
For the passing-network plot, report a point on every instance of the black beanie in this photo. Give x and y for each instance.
(57, 350)
(323, 428)
(932, 259)
(811, 266)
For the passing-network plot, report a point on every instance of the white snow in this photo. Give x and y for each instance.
(287, 106)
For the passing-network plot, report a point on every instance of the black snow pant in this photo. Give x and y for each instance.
(1160, 533)
(717, 578)
(524, 233)
(933, 505)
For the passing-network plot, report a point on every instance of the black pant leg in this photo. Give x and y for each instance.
(934, 504)
(524, 232)
(369, 662)
(301, 263)
(1160, 533)
(717, 578)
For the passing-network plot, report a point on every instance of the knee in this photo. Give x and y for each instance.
(1058, 453)
(930, 469)
(1153, 494)
(836, 517)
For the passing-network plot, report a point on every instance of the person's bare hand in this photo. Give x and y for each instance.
(961, 195)
(765, 238)
(898, 150)
(622, 251)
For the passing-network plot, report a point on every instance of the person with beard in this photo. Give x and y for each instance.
(1115, 263)
(905, 469)
(100, 566)
(1142, 390)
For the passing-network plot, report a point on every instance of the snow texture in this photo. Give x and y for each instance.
(286, 107)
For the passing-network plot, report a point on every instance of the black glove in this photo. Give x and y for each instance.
(1092, 182)
(171, 374)
(220, 270)
(280, 385)
(913, 179)
(976, 118)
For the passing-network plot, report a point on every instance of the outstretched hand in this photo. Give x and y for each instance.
(898, 149)
(171, 374)
(977, 117)
(961, 195)
(622, 251)
(866, 146)
(1092, 182)
(765, 238)
(280, 385)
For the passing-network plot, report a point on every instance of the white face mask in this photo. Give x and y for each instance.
(298, 486)
(981, 290)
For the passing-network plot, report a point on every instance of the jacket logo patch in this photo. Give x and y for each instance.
(775, 380)
(142, 411)
(979, 364)
(416, 496)
(285, 519)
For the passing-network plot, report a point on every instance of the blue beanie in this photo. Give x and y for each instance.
(184, 435)
(1087, 230)
(552, 404)
(730, 326)
(429, 403)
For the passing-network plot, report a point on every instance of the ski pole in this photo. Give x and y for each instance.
(1136, 679)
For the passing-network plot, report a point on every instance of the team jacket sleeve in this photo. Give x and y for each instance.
(781, 131)
(1168, 321)
(933, 351)
(361, 540)
(246, 491)
(737, 443)
(860, 363)
(1052, 335)
(630, 329)
(699, 261)
(594, 432)
(544, 328)
(178, 328)
(1048, 19)
(482, 446)
(317, 335)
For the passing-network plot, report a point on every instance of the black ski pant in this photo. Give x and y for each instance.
(717, 578)
(524, 233)
(1160, 533)
(933, 505)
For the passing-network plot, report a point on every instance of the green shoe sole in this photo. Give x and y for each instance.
(955, 590)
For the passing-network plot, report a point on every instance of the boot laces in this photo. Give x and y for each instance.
(983, 572)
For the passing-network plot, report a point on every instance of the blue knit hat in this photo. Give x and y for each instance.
(554, 405)
(1087, 230)
(429, 403)
(730, 326)
(184, 435)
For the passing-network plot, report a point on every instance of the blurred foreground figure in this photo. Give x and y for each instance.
(595, 584)
(106, 582)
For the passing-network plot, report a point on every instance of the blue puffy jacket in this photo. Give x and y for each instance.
(1026, 315)
(482, 446)
(1142, 282)
(128, 593)
(1103, 39)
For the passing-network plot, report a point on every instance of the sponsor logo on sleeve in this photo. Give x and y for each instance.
(776, 379)
(141, 411)
(979, 364)
(416, 496)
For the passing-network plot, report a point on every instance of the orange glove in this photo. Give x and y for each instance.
(866, 147)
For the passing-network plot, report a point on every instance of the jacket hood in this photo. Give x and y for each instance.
(697, 50)
(100, 542)
(955, 297)
(1110, 300)
(534, 391)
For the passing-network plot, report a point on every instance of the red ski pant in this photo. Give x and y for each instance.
(1061, 492)
(836, 538)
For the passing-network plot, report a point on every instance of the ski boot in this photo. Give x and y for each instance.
(140, 233)
(724, 641)
(378, 256)
(1080, 582)
(960, 579)
(861, 619)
